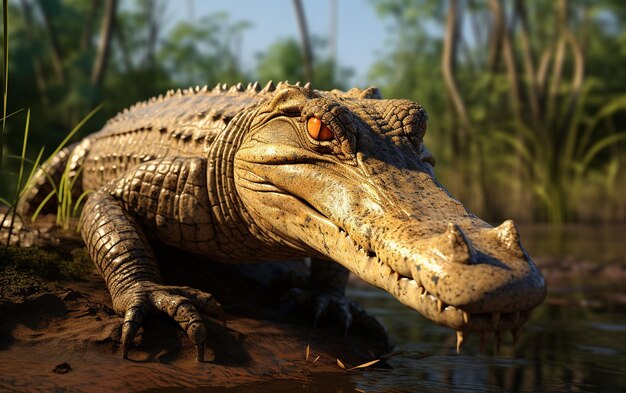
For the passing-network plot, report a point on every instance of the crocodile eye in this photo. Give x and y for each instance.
(318, 130)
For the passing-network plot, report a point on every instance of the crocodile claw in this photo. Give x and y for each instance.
(183, 304)
(341, 310)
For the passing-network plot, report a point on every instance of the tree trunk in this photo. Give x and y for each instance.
(553, 98)
(509, 57)
(306, 45)
(447, 67)
(529, 66)
(105, 43)
(55, 47)
(495, 37)
(121, 41)
(40, 79)
(85, 40)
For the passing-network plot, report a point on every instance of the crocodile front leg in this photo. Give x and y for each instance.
(122, 254)
(326, 297)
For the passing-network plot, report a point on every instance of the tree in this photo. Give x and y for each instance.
(282, 61)
(542, 134)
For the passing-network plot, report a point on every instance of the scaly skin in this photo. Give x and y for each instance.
(234, 175)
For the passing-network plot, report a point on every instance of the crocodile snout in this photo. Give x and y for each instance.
(479, 269)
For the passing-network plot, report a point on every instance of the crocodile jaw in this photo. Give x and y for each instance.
(421, 263)
(338, 245)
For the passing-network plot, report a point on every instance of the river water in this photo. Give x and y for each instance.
(575, 341)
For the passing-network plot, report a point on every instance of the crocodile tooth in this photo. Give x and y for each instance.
(217, 88)
(297, 84)
(170, 92)
(225, 86)
(269, 87)
(204, 88)
(516, 333)
(498, 339)
(307, 85)
(279, 85)
(197, 89)
(179, 92)
(256, 87)
(495, 319)
(459, 340)
(466, 317)
(440, 305)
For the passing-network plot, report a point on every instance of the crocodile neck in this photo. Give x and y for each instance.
(240, 237)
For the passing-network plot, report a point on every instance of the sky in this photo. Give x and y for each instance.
(360, 32)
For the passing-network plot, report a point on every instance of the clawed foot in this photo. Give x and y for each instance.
(183, 304)
(343, 311)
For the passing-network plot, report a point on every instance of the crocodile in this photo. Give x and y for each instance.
(253, 174)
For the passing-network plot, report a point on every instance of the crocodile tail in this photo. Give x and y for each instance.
(47, 179)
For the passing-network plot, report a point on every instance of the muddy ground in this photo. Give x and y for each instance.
(59, 332)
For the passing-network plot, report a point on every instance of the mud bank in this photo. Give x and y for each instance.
(60, 332)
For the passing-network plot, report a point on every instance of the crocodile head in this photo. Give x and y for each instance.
(346, 176)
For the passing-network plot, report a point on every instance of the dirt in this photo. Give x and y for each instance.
(58, 331)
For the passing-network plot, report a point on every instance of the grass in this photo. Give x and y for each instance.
(340, 364)
(24, 271)
(67, 207)
(5, 71)
(558, 165)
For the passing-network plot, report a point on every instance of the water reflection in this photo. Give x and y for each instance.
(575, 341)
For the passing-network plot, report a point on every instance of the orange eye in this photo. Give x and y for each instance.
(318, 130)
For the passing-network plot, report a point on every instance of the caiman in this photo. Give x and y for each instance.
(251, 174)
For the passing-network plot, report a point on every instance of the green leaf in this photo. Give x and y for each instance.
(600, 145)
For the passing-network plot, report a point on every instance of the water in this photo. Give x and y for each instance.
(575, 341)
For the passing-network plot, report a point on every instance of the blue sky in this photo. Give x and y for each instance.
(360, 32)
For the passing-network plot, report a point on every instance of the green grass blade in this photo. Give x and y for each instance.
(13, 113)
(600, 145)
(19, 158)
(33, 169)
(5, 72)
(75, 177)
(80, 200)
(60, 195)
(75, 129)
(615, 105)
(18, 186)
(42, 204)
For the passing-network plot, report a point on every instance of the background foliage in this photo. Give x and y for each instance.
(526, 98)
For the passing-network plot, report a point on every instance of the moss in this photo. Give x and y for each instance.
(27, 270)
